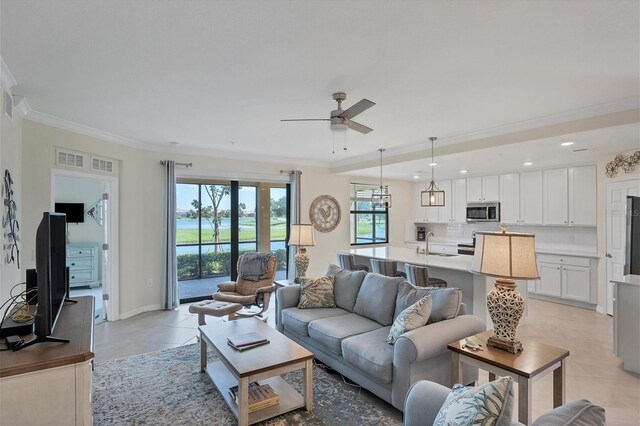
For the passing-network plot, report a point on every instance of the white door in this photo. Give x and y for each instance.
(510, 198)
(106, 253)
(616, 193)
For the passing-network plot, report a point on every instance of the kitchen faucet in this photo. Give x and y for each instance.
(426, 239)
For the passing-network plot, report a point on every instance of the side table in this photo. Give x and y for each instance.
(534, 362)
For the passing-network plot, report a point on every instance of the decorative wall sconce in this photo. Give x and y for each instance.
(626, 162)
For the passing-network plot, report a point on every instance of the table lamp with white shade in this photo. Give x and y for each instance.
(508, 256)
(301, 235)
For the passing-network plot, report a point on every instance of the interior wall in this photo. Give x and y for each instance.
(141, 198)
(11, 159)
(602, 221)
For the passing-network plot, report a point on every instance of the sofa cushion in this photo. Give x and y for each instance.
(411, 318)
(369, 353)
(297, 320)
(445, 302)
(346, 286)
(329, 332)
(490, 404)
(576, 413)
(317, 293)
(377, 296)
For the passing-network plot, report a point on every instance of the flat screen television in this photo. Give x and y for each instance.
(51, 259)
(74, 211)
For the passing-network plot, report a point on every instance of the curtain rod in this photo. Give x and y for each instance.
(163, 162)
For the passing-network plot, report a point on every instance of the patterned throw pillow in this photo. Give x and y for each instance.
(489, 404)
(317, 293)
(411, 318)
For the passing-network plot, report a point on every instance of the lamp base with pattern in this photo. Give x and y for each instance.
(302, 263)
(505, 306)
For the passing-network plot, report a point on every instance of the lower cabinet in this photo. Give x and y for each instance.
(566, 278)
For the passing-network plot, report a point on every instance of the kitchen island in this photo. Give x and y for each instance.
(452, 268)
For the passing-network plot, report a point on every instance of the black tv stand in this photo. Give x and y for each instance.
(41, 339)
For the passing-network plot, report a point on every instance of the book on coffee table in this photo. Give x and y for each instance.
(260, 396)
(246, 339)
(245, 347)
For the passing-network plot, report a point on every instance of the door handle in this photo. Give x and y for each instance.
(609, 255)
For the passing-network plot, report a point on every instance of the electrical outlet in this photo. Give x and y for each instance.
(150, 282)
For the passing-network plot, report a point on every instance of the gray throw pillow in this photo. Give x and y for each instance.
(576, 413)
(445, 301)
(413, 317)
(346, 286)
(317, 293)
(376, 298)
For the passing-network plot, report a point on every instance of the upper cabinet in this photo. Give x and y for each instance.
(455, 201)
(521, 198)
(483, 188)
(420, 213)
(569, 196)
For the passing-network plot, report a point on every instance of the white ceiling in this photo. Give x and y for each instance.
(218, 76)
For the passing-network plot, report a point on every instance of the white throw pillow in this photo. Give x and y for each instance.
(411, 318)
(490, 404)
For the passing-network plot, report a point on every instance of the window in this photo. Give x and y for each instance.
(369, 225)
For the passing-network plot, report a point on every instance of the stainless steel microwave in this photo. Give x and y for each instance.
(483, 212)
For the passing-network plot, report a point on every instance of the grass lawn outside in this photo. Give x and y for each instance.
(247, 232)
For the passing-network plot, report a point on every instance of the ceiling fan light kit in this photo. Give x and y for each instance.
(340, 120)
(381, 198)
(432, 196)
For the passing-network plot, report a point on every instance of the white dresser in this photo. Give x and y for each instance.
(82, 260)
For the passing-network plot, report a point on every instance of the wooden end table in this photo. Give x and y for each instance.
(264, 363)
(534, 362)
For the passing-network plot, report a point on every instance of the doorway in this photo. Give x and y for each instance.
(616, 197)
(91, 236)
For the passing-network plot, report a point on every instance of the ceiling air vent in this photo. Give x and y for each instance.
(580, 150)
(71, 159)
(101, 165)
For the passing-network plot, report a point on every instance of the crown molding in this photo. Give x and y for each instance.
(6, 78)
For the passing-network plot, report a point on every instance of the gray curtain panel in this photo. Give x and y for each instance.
(296, 216)
(170, 298)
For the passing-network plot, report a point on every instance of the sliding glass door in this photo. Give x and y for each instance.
(217, 222)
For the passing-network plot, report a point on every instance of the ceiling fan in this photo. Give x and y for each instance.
(341, 119)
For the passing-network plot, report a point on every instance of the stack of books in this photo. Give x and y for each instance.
(260, 396)
(242, 342)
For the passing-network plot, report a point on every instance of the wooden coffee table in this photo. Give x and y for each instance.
(264, 364)
(535, 361)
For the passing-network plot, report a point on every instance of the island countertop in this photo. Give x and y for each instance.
(404, 255)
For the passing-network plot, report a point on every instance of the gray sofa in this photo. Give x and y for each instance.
(350, 338)
(426, 398)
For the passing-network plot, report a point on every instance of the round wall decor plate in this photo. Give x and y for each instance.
(324, 213)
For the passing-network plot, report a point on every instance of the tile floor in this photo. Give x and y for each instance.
(593, 372)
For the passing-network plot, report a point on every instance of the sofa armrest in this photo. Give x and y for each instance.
(286, 297)
(423, 402)
(227, 286)
(432, 340)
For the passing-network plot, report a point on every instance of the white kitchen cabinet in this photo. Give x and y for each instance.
(483, 188)
(582, 195)
(569, 196)
(531, 198)
(568, 279)
(510, 198)
(550, 282)
(555, 193)
(444, 213)
(423, 214)
(459, 200)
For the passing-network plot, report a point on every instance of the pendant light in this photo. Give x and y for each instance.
(381, 198)
(432, 196)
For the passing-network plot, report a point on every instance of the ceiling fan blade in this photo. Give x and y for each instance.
(358, 127)
(357, 108)
(307, 119)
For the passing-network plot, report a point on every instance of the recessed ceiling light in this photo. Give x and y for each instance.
(464, 171)
(416, 177)
(174, 143)
(433, 164)
(528, 163)
(567, 143)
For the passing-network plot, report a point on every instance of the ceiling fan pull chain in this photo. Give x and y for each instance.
(345, 141)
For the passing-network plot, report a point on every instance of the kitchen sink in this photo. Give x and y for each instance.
(443, 254)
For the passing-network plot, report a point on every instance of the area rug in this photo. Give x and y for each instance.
(167, 388)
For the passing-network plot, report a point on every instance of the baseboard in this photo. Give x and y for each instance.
(600, 310)
(139, 310)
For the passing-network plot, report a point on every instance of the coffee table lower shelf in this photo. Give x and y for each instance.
(290, 399)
